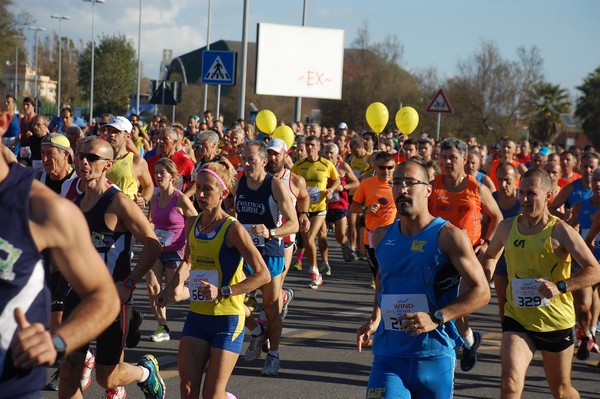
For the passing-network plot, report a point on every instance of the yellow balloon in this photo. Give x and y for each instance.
(266, 121)
(377, 116)
(285, 133)
(407, 120)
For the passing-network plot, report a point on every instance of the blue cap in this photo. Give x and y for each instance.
(544, 150)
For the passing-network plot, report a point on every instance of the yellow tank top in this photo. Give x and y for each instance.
(361, 167)
(218, 264)
(529, 257)
(317, 175)
(122, 175)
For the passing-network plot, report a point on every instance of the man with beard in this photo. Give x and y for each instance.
(422, 260)
(265, 209)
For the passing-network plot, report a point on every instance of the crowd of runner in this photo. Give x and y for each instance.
(222, 212)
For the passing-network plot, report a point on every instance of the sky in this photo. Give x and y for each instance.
(434, 33)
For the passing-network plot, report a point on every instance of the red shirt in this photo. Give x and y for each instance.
(184, 167)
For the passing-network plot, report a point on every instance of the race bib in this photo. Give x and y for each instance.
(394, 306)
(335, 197)
(526, 295)
(259, 241)
(314, 193)
(196, 277)
(164, 237)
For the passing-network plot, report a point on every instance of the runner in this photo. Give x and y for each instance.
(414, 351)
(321, 181)
(539, 312)
(169, 210)
(35, 221)
(265, 209)
(113, 220)
(214, 328)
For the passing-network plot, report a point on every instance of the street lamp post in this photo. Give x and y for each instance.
(60, 19)
(139, 76)
(208, 48)
(35, 89)
(93, 51)
(17, 37)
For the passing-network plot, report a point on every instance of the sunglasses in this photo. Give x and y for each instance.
(384, 167)
(91, 158)
(408, 182)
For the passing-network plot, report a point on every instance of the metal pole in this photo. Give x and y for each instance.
(218, 101)
(139, 76)
(37, 30)
(242, 86)
(298, 108)
(93, 55)
(208, 48)
(60, 19)
(437, 132)
(17, 68)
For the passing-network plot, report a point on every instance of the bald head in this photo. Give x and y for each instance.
(98, 147)
(413, 166)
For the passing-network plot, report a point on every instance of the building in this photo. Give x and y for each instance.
(26, 83)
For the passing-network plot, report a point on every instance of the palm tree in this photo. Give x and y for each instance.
(547, 103)
(588, 106)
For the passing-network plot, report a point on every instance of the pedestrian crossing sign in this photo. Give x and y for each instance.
(218, 67)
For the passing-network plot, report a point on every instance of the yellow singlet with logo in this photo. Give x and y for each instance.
(529, 257)
(122, 175)
(361, 167)
(213, 261)
(317, 175)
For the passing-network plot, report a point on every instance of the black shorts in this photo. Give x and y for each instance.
(58, 287)
(334, 215)
(552, 341)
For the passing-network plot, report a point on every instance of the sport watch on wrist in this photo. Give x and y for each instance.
(562, 286)
(272, 233)
(226, 291)
(438, 317)
(129, 284)
(60, 346)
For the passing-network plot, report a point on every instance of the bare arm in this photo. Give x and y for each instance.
(494, 250)
(487, 181)
(58, 226)
(490, 207)
(351, 180)
(561, 199)
(574, 220)
(238, 237)
(594, 230)
(286, 206)
(143, 175)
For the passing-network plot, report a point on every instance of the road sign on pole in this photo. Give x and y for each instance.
(439, 103)
(218, 67)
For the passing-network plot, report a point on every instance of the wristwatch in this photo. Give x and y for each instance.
(60, 346)
(129, 284)
(562, 286)
(438, 317)
(226, 291)
(272, 233)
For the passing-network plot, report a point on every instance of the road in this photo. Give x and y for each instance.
(318, 351)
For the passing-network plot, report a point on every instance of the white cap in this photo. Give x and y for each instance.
(342, 126)
(120, 123)
(277, 145)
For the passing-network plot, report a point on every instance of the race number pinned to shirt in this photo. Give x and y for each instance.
(526, 295)
(259, 241)
(314, 194)
(164, 237)
(196, 278)
(394, 306)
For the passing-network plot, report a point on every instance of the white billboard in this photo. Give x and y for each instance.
(298, 61)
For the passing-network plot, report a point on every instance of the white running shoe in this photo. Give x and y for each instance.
(88, 366)
(117, 393)
(254, 348)
(161, 334)
(315, 280)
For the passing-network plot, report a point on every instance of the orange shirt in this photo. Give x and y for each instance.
(462, 209)
(374, 191)
(563, 182)
(495, 165)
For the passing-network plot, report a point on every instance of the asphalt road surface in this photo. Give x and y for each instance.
(318, 351)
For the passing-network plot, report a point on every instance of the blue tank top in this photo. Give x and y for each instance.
(259, 207)
(585, 217)
(415, 277)
(479, 177)
(511, 212)
(115, 248)
(579, 193)
(22, 280)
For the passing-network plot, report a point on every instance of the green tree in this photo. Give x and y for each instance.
(12, 23)
(547, 102)
(588, 106)
(115, 73)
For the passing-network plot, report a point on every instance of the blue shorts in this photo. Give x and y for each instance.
(223, 332)
(171, 259)
(405, 378)
(275, 264)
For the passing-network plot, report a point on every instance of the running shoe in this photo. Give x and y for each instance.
(315, 280)
(373, 286)
(288, 298)
(587, 344)
(271, 366)
(154, 386)
(469, 356)
(116, 393)
(88, 366)
(579, 336)
(297, 265)
(161, 334)
(134, 335)
(346, 253)
(231, 396)
(325, 269)
(595, 347)
(52, 385)
(256, 342)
